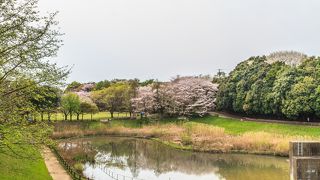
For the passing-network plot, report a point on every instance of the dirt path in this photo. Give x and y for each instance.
(55, 169)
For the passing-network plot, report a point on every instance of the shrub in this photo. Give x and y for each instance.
(78, 167)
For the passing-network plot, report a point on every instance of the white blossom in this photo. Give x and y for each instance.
(191, 95)
(183, 96)
(291, 58)
(145, 100)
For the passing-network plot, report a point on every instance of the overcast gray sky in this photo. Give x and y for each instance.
(106, 39)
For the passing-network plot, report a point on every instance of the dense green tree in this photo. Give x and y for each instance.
(113, 98)
(283, 85)
(301, 99)
(102, 84)
(70, 104)
(45, 99)
(88, 108)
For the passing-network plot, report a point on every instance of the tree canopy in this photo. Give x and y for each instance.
(113, 98)
(27, 40)
(70, 104)
(274, 89)
(184, 96)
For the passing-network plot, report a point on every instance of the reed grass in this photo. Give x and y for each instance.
(198, 136)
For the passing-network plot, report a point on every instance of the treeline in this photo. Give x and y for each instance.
(78, 99)
(282, 85)
(183, 96)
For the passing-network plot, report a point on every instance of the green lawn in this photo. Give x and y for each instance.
(234, 126)
(22, 168)
(97, 116)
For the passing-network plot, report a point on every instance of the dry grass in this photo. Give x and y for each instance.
(200, 137)
(165, 131)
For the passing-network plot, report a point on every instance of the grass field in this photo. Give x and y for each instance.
(13, 167)
(234, 126)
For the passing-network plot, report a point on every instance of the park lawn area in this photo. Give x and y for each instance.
(97, 116)
(235, 126)
(12, 167)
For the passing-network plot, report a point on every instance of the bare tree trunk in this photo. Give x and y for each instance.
(111, 112)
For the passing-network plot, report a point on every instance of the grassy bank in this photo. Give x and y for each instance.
(210, 134)
(14, 167)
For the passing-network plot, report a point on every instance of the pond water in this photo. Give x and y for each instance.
(146, 159)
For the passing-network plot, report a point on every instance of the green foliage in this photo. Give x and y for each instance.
(27, 40)
(74, 86)
(102, 84)
(45, 99)
(114, 98)
(78, 167)
(147, 82)
(70, 104)
(88, 108)
(257, 87)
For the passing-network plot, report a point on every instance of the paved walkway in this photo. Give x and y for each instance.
(55, 169)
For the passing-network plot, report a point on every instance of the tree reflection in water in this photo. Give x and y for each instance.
(140, 157)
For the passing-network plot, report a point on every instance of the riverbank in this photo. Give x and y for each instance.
(210, 134)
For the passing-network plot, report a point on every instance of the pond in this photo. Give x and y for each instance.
(146, 159)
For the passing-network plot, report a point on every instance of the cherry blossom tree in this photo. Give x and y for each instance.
(191, 96)
(145, 100)
(184, 96)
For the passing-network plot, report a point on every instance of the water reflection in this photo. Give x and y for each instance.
(145, 159)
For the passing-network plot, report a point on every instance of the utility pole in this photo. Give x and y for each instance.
(220, 72)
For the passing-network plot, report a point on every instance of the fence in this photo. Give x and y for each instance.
(76, 176)
(116, 176)
(73, 173)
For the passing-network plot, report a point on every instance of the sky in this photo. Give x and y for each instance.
(159, 39)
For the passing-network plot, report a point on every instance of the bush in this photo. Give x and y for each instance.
(78, 167)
